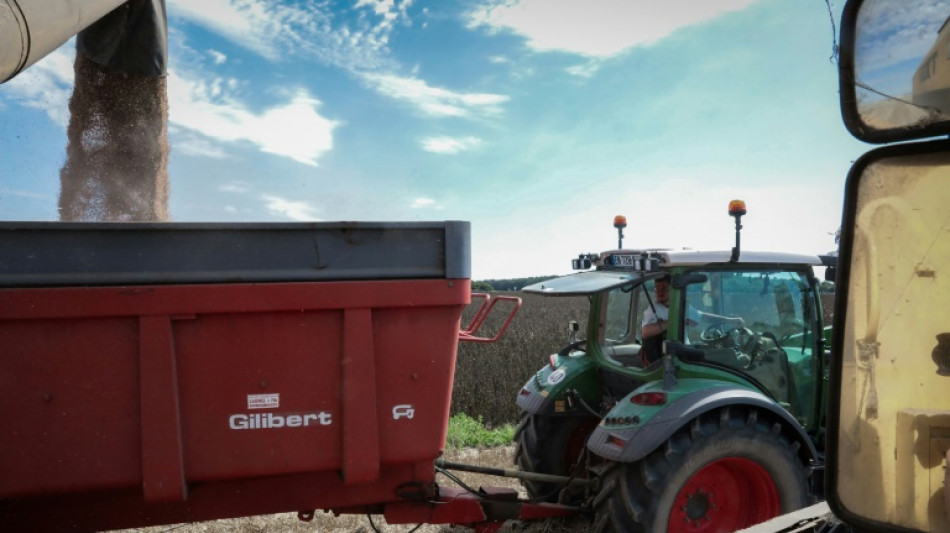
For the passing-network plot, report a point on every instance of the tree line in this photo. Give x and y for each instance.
(507, 285)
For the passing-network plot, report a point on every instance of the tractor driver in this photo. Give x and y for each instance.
(655, 318)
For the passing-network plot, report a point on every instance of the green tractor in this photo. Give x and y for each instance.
(696, 400)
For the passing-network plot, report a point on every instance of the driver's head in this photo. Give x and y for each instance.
(662, 289)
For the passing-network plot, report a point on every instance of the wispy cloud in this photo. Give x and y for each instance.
(310, 29)
(584, 70)
(293, 128)
(435, 101)
(595, 28)
(217, 57)
(46, 85)
(294, 210)
(22, 194)
(450, 145)
(236, 187)
(190, 143)
(420, 203)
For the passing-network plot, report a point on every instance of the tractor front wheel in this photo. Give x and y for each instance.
(723, 472)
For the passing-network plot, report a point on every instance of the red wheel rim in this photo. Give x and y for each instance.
(724, 496)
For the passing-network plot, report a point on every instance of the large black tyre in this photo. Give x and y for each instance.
(724, 471)
(551, 445)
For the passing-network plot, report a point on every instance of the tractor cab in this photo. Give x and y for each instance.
(712, 354)
(746, 317)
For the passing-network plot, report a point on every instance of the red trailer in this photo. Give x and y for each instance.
(165, 373)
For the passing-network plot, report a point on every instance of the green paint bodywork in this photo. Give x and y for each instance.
(583, 371)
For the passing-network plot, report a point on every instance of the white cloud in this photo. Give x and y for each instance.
(435, 101)
(419, 203)
(595, 28)
(310, 29)
(47, 84)
(450, 145)
(584, 70)
(189, 143)
(22, 194)
(293, 129)
(299, 211)
(218, 57)
(236, 187)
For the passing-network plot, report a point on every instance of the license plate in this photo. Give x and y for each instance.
(624, 260)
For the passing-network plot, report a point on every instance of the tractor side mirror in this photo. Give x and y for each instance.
(831, 273)
(680, 281)
(889, 392)
(889, 416)
(894, 70)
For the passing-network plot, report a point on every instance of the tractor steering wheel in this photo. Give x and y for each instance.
(741, 338)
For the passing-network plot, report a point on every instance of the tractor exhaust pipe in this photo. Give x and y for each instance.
(31, 29)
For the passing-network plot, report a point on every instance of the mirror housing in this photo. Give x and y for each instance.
(894, 70)
(831, 274)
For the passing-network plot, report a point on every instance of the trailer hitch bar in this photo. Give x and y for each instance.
(531, 476)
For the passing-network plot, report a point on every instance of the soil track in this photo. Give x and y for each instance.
(324, 522)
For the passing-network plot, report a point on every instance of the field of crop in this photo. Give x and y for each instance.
(489, 376)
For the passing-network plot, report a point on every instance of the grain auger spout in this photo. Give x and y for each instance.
(127, 35)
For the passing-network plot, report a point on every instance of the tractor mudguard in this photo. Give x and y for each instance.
(631, 431)
(545, 391)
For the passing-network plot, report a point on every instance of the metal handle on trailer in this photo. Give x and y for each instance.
(485, 309)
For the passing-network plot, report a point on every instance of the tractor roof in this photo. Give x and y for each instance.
(621, 267)
(696, 257)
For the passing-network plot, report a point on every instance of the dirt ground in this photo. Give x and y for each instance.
(327, 523)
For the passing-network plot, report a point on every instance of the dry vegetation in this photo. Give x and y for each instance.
(489, 376)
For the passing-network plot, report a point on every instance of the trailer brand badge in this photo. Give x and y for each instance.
(557, 376)
(275, 421)
(263, 401)
(403, 411)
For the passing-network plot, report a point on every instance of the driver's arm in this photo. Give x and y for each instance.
(711, 318)
(654, 329)
(652, 325)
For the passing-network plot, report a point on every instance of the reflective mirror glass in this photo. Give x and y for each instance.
(901, 70)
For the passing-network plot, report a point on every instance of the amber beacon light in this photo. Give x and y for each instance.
(736, 209)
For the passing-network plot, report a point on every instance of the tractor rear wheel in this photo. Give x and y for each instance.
(551, 445)
(723, 472)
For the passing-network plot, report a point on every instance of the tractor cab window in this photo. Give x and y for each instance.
(621, 329)
(618, 327)
(771, 343)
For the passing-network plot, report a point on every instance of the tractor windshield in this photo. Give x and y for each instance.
(772, 343)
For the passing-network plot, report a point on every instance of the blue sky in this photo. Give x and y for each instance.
(536, 120)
